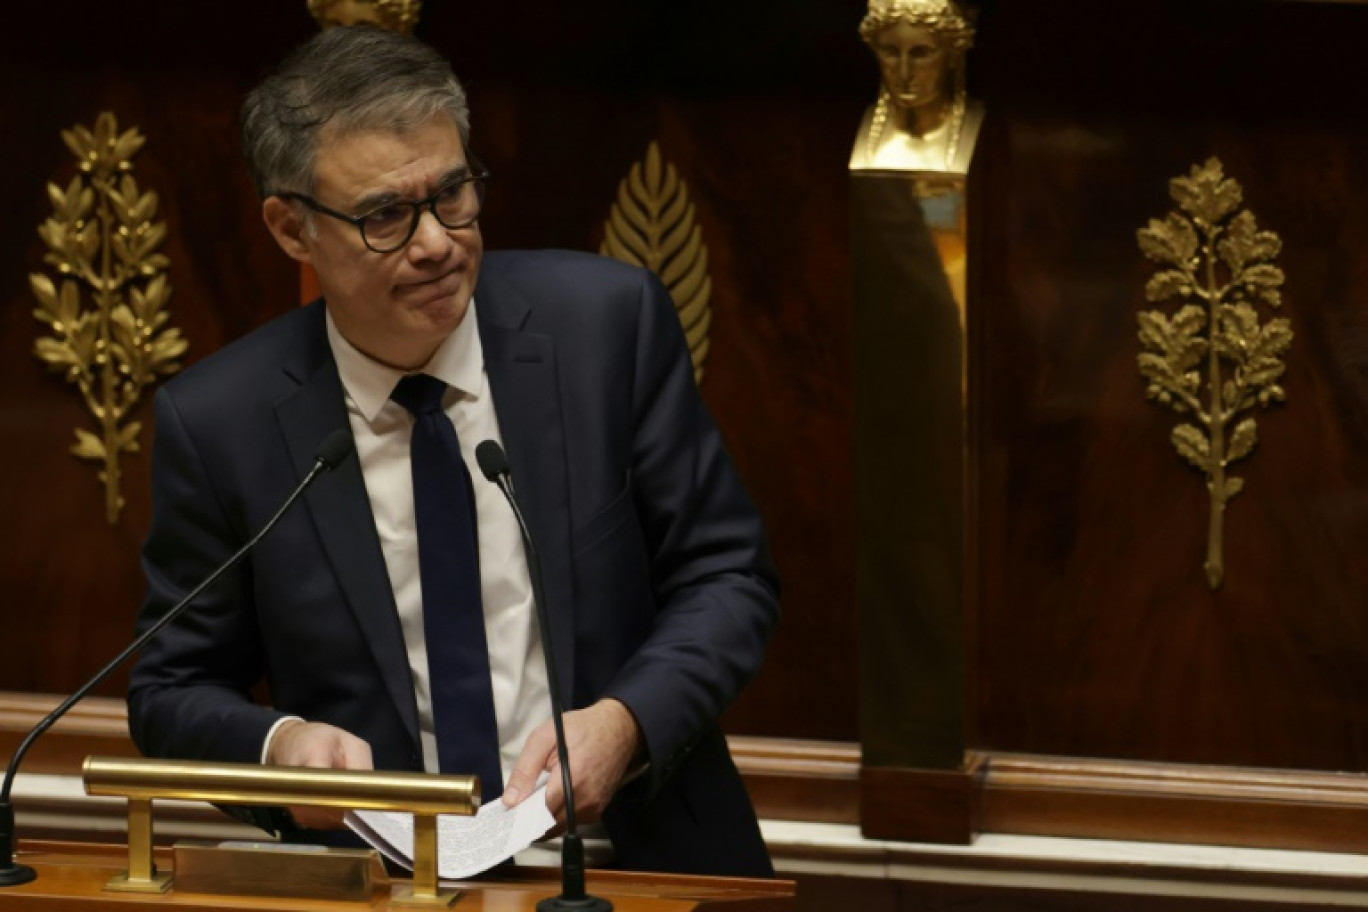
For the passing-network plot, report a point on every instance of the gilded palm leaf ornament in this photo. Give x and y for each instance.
(652, 224)
(107, 308)
(1213, 361)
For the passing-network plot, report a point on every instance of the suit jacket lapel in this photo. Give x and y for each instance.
(522, 376)
(341, 510)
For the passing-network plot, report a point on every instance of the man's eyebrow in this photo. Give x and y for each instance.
(456, 173)
(381, 198)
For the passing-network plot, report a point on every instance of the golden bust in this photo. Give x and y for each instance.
(922, 120)
(394, 15)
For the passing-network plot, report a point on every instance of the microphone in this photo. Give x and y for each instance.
(494, 464)
(335, 448)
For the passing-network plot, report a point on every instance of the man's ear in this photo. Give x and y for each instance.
(287, 227)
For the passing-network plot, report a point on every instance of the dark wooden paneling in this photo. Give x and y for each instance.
(1097, 635)
(1292, 809)
(817, 781)
(96, 726)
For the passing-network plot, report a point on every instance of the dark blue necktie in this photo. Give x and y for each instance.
(449, 568)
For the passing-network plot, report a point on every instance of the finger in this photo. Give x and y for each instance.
(304, 747)
(555, 795)
(535, 756)
(320, 754)
(353, 753)
(316, 818)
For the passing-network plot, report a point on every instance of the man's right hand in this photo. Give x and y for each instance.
(320, 746)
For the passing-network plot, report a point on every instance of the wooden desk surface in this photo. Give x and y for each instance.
(71, 878)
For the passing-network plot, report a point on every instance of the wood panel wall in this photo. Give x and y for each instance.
(1098, 635)
(755, 104)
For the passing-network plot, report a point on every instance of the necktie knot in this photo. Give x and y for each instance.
(420, 394)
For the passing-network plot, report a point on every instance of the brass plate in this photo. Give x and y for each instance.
(276, 869)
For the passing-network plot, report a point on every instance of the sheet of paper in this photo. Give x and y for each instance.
(465, 845)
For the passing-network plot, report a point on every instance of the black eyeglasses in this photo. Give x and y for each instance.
(386, 229)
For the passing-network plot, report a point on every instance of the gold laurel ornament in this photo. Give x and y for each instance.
(107, 308)
(1213, 361)
(652, 225)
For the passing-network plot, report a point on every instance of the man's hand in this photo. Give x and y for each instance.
(601, 740)
(320, 746)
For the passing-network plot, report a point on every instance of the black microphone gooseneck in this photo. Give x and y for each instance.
(334, 449)
(494, 465)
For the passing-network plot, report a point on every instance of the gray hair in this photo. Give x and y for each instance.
(345, 80)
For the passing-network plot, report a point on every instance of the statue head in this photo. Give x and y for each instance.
(393, 15)
(920, 46)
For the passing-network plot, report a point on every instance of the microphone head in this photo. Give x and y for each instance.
(493, 462)
(336, 447)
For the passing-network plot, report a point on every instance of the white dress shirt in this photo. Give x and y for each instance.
(382, 429)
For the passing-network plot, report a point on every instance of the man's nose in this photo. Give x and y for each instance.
(431, 238)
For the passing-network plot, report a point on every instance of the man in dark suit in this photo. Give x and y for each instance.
(659, 588)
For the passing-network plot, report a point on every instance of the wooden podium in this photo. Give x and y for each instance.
(72, 876)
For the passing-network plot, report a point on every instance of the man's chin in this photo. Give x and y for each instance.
(440, 310)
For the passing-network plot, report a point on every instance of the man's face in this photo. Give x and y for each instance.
(396, 307)
(912, 63)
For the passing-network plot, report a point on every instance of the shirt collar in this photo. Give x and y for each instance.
(457, 362)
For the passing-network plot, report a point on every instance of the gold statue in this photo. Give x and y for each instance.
(394, 15)
(923, 120)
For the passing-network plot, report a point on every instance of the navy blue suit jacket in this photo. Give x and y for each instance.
(658, 581)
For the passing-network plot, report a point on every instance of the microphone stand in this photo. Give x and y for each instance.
(573, 898)
(333, 450)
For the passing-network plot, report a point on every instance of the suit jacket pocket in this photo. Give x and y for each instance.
(601, 524)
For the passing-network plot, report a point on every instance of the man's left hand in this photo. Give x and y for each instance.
(601, 740)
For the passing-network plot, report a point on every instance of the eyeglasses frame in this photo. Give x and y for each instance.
(479, 176)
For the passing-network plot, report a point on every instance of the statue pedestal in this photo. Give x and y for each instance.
(909, 259)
